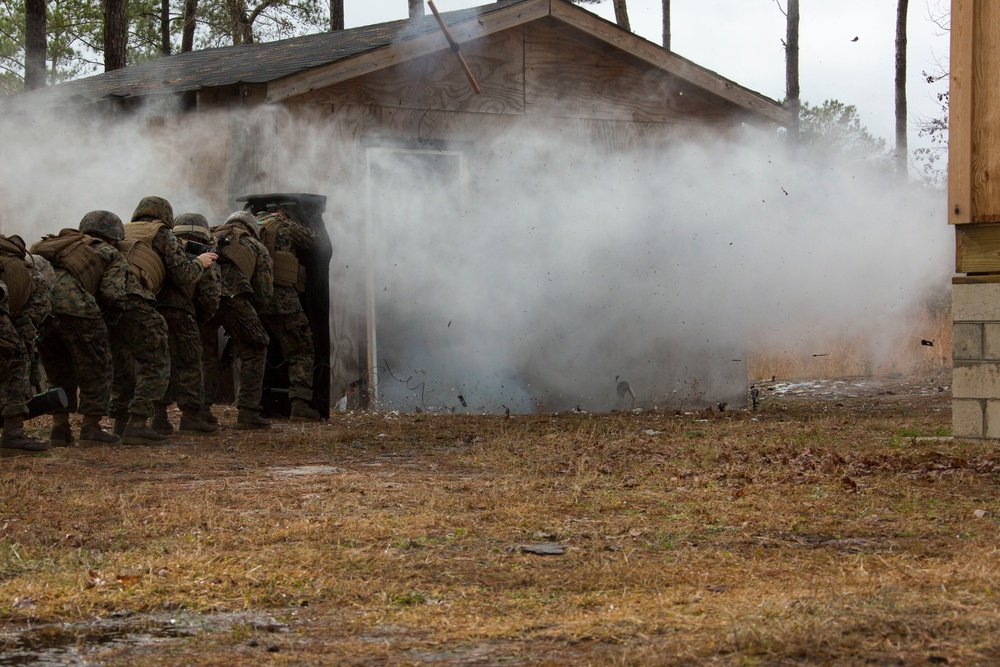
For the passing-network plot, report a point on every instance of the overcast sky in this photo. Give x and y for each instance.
(742, 40)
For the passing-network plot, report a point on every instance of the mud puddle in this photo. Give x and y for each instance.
(78, 644)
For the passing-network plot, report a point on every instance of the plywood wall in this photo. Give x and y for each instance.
(974, 125)
(539, 69)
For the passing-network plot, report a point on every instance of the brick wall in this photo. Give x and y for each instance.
(976, 361)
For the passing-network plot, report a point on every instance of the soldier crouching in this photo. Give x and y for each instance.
(139, 338)
(185, 309)
(90, 278)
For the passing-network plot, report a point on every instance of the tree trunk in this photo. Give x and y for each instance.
(165, 27)
(792, 68)
(902, 150)
(35, 44)
(190, 23)
(336, 15)
(115, 34)
(621, 15)
(666, 24)
(416, 8)
(240, 22)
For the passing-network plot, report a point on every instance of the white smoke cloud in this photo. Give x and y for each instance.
(526, 271)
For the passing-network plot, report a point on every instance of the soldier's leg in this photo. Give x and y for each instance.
(242, 324)
(147, 338)
(210, 368)
(160, 421)
(60, 371)
(15, 391)
(91, 351)
(123, 382)
(151, 353)
(295, 337)
(186, 375)
(87, 342)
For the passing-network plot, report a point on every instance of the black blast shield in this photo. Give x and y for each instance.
(307, 209)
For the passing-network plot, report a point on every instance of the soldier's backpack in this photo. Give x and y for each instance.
(75, 252)
(243, 258)
(16, 273)
(143, 261)
(288, 271)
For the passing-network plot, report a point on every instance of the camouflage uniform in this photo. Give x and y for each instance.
(185, 310)
(23, 306)
(283, 315)
(139, 339)
(241, 288)
(14, 390)
(74, 346)
(46, 277)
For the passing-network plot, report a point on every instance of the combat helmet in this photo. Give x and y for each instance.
(193, 224)
(247, 219)
(105, 224)
(154, 208)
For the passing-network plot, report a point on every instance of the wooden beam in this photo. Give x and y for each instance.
(409, 49)
(684, 69)
(960, 112)
(977, 248)
(974, 117)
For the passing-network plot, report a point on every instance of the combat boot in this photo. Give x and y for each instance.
(14, 439)
(91, 432)
(205, 414)
(251, 419)
(160, 423)
(303, 412)
(137, 432)
(121, 421)
(62, 433)
(192, 424)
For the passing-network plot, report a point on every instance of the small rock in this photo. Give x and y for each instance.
(544, 549)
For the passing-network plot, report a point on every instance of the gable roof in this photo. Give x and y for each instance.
(297, 65)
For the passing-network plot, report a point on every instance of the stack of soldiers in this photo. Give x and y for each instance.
(125, 318)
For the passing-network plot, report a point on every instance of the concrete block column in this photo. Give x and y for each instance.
(976, 361)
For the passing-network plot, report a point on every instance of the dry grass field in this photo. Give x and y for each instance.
(832, 526)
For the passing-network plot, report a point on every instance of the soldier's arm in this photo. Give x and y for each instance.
(262, 281)
(37, 308)
(208, 294)
(113, 289)
(183, 270)
(303, 237)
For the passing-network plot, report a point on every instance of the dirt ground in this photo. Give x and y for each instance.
(837, 524)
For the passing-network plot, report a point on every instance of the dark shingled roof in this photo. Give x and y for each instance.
(252, 63)
(269, 62)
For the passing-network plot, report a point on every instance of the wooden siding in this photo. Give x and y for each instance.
(977, 248)
(565, 78)
(437, 82)
(539, 70)
(974, 158)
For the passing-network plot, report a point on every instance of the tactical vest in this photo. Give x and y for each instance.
(16, 273)
(75, 252)
(143, 261)
(239, 255)
(288, 271)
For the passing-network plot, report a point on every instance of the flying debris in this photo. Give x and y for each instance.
(928, 343)
(461, 399)
(624, 389)
(855, 39)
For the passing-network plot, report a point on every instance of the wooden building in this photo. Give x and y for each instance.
(974, 210)
(394, 94)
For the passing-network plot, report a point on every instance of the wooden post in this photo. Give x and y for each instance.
(974, 209)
